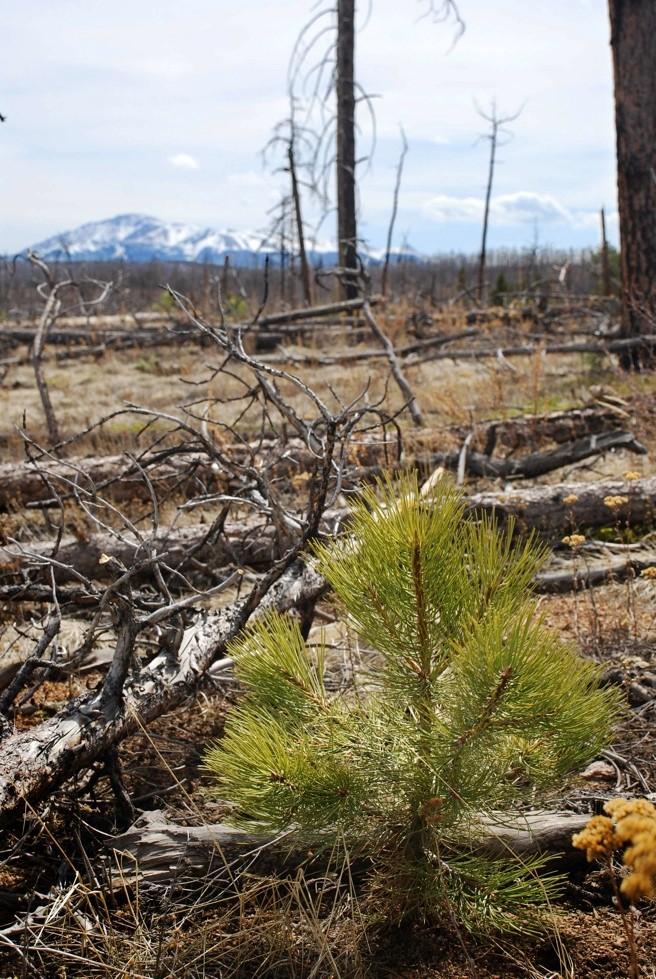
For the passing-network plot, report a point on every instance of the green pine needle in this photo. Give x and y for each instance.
(477, 707)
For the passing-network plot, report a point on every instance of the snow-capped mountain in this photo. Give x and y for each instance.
(139, 238)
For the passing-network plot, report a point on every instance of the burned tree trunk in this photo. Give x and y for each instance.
(633, 42)
(345, 82)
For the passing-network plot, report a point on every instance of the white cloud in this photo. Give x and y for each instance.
(521, 207)
(183, 161)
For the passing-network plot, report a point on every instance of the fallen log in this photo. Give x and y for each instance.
(314, 312)
(553, 511)
(35, 762)
(96, 556)
(595, 563)
(157, 851)
(567, 507)
(556, 426)
(120, 478)
(116, 476)
(481, 353)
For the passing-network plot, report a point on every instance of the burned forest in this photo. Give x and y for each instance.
(328, 560)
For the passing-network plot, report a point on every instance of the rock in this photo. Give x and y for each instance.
(599, 771)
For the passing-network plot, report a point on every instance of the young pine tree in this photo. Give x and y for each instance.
(476, 708)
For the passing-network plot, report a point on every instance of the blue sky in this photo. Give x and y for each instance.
(163, 107)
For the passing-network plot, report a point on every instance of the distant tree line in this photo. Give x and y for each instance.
(531, 274)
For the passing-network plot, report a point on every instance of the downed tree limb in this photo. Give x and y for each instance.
(157, 851)
(395, 366)
(539, 463)
(34, 762)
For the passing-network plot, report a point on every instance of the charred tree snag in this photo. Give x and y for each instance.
(633, 43)
(347, 233)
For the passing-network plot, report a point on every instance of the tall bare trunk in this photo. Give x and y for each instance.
(346, 218)
(633, 42)
(606, 287)
(486, 212)
(300, 232)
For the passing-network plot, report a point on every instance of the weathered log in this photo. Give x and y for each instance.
(481, 353)
(247, 544)
(157, 851)
(116, 476)
(539, 463)
(33, 763)
(595, 563)
(566, 507)
(314, 312)
(556, 426)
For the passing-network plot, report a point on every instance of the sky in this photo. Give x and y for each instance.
(162, 107)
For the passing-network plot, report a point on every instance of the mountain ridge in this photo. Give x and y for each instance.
(135, 237)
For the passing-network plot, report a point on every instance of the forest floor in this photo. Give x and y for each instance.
(51, 876)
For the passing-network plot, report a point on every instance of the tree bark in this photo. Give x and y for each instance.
(346, 209)
(633, 43)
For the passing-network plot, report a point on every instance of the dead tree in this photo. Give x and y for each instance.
(633, 43)
(606, 288)
(168, 614)
(395, 208)
(497, 136)
(347, 233)
(50, 290)
(334, 73)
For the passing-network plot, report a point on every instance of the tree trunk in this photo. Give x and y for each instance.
(300, 230)
(346, 219)
(633, 42)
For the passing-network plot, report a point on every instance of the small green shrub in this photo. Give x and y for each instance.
(476, 708)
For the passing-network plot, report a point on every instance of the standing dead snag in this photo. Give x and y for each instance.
(50, 290)
(347, 233)
(395, 207)
(633, 43)
(497, 132)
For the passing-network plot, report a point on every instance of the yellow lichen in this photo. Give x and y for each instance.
(615, 501)
(649, 573)
(632, 474)
(573, 540)
(571, 498)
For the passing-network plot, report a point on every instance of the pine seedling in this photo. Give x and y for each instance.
(475, 709)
